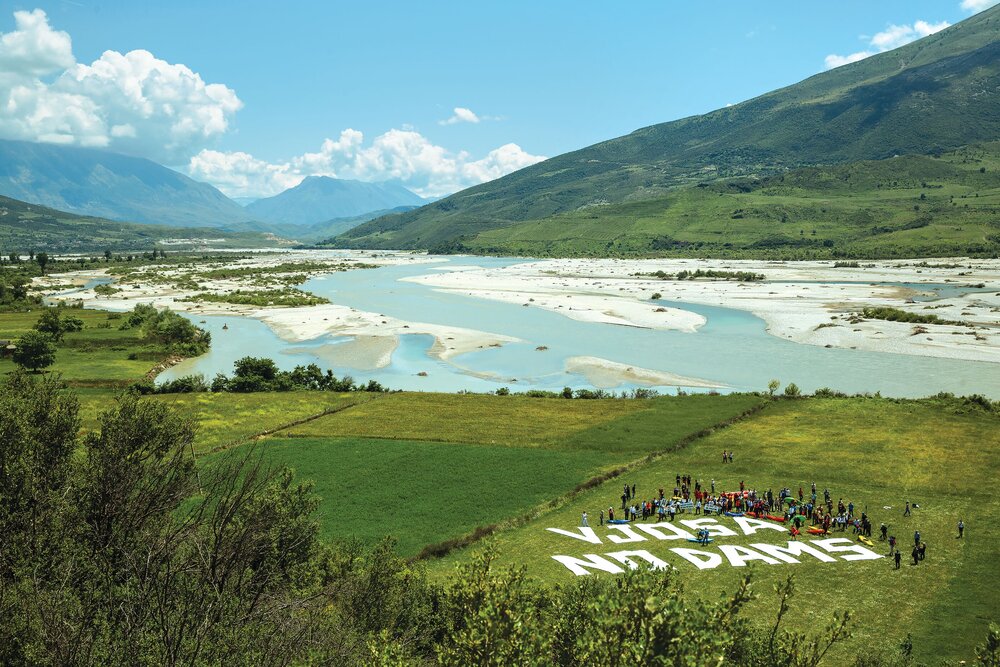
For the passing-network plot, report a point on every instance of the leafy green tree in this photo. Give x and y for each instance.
(792, 390)
(773, 386)
(55, 323)
(43, 259)
(34, 351)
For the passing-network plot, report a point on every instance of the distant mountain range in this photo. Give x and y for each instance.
(113, 187)
(936, 94)
(117, 187)
(320, 198)
(318, 231)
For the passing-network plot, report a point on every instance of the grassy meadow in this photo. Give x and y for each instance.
(457, 462)
(100, 355)
(877, 453)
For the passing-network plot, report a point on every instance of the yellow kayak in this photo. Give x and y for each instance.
(865, 540)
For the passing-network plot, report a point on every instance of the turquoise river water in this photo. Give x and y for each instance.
(732, 349)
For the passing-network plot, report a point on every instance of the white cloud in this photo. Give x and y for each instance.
(132, 102)
(403, 155)
(977, 5)
(892, 37)
(241, 174)
(461, 115)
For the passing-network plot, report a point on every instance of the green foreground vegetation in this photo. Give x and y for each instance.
(472, 482)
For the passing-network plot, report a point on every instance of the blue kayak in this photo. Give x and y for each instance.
(692, 539)
(617, 521)
(734, 513)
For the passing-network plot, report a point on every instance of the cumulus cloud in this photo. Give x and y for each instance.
(975, 6)
(461, 115)
(892, 37)
(401, 155)
(133, 102)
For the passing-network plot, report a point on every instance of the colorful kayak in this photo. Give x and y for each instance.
(734, 513)
(693, 539)
(815, 530)
(865, 540)
(617, 521)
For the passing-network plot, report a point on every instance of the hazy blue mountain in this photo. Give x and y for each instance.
(320, 198)
(316, 232)
(118, 187)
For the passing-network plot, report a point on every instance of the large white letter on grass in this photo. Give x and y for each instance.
(703, 560)
(793, 549)
(849, 551)
(585, 534)
(578, 566)
(630, 535)
(657, 531)
(625, 558)
(739, 556)
(714, 527)
(751, 526)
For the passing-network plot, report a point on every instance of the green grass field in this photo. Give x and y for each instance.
(488, 458)
(876, 452)
(423, 492)
(97, 356)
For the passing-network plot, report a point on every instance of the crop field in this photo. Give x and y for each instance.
(423, 492)
(465, 461)
(877, 453)
(618, 428)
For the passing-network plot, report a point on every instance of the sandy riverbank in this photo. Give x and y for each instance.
(604, 374)
(371, 330)
(362, 353)
(806, 302)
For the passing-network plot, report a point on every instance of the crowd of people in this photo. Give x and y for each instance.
(814, 512)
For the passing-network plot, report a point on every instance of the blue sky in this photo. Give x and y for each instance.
(545, 77)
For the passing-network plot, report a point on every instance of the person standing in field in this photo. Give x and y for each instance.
(961, 528)
(898, 557)
(602, 517)
(892, 544)
(906, 512)
(583, 520)
(916, 555)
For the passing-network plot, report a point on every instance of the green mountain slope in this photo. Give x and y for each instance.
(899, 207)
(936, 94)
(25, 227)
